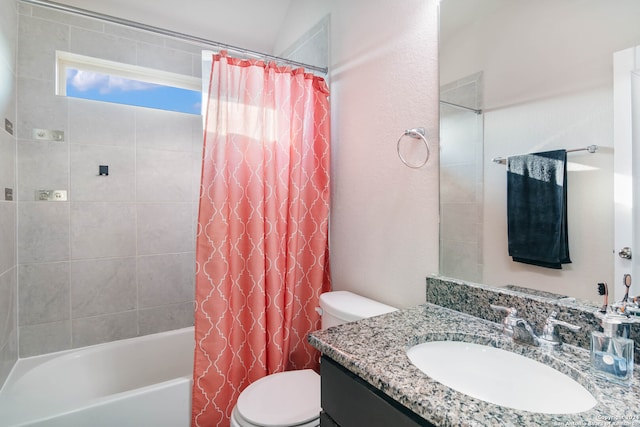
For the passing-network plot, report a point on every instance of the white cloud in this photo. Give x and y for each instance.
(87, 80)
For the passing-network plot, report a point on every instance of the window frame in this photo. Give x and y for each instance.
(68, 60)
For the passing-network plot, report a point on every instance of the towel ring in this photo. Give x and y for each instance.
(416, 133)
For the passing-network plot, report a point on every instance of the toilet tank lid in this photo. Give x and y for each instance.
(349, 306)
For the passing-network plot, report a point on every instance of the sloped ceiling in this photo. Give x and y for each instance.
(456, 15)
(251, 24)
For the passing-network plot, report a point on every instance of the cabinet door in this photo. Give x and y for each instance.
(326, 421)
(352, 402)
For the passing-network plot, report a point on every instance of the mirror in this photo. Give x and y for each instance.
(530, 77)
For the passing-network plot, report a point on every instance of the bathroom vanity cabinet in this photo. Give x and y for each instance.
(349, 401)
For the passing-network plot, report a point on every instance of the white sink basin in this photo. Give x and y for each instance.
(501, 377)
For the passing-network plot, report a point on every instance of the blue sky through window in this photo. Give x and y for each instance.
(111, 88)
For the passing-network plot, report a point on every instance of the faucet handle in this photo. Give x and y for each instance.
(552, 322)
(550, 335)
(509, 320)
(509, 310)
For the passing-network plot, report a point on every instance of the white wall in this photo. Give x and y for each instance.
(577, 120)
(384, 79)
(548, 84)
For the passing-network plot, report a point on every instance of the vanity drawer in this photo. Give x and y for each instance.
(349, 401)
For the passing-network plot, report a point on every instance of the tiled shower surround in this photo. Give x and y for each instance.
(117, 259)
(8, 208)
(461, 180)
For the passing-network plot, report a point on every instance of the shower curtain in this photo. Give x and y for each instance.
(262, 243)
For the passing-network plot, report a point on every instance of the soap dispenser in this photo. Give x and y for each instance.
(612, 354)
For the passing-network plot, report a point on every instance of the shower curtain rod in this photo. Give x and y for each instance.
(181, 36)
(461, 106)
(591, 149)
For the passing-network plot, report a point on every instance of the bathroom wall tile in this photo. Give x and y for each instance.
(197, 147)
(197, 135)
(42, 165)
(87, 185)
(150, 194)
(163, 176)
(8, 356)
(10, 106)
(24, 9)
(154, 234)
(166, 318)
(195, 208)
(317, 49)
(185, 46)
(165, 130)
(43, 230)
(461, 137)
(7, 162)
(99, 329)
(197, 178)
(38, 40)
(101, 45)
(67, 18)
(8, 248)
(8, 308)
(8, 213)
(8, 24)
(166, 279)
(467, 91)
(460, 221)
(38, 108)
(103, 286)
(312, 47)
(7, 141)
(460, 259)
(196, 60)
(101, 230)
(165, 59)
(44, 338)
(459, 183)
(134, 34)
(101, 123)
(43, 293)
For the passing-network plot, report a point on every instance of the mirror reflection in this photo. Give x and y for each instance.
(523, 77)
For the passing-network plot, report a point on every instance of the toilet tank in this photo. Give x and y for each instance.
(340, 307)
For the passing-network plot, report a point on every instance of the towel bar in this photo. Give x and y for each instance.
(591, 149)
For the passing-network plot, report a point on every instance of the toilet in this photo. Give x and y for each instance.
(292, 398)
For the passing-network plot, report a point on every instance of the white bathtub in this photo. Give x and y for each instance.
(138, 382)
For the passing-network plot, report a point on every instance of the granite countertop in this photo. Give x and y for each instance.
(375, 350)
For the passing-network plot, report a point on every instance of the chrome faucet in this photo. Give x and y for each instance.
(521, 331)
(549, 337)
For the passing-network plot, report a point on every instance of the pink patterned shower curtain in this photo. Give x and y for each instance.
(262, 244)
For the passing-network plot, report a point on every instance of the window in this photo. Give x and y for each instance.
(101, 80)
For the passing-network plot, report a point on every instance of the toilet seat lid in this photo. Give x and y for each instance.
(283, 399)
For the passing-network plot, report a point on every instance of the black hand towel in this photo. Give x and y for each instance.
(537, 208)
